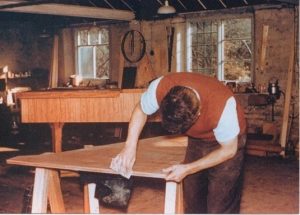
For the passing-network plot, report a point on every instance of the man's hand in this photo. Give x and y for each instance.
(124, 162)
(176, 172)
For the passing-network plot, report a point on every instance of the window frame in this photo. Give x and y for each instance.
(220, 73)
(94, 47)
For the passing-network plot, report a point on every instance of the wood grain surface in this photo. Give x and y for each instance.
(153, 155)
(78, 106)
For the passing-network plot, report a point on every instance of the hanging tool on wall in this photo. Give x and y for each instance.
(263, 52)
(170, 39)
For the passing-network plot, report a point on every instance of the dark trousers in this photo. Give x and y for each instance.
(217, 189)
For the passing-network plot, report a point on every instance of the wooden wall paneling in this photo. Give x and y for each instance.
(145, 72)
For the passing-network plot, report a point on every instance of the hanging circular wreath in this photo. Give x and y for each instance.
(133, 46)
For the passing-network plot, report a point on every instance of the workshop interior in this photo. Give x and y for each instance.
(72, 71)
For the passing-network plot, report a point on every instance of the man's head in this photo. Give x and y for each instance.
(180, 109)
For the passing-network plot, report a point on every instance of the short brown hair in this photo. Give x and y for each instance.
(179, 109)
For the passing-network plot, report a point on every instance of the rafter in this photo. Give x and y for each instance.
(127, 5)
(224, 5)
(66, 10)
(180, 2)
(201, 3)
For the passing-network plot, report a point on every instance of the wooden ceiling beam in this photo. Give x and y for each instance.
(69, 10)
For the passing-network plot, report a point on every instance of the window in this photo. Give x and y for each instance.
(92, 51)
(220, 48)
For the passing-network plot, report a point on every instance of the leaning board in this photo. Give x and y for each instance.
(153, 155)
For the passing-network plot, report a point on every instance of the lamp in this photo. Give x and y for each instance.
(166, 9)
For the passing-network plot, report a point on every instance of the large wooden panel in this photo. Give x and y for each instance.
(153, 155)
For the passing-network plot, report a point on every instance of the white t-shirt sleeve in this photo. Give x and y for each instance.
(228, 125)
(149, 102)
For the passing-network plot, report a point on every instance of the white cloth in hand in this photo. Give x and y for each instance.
(117, 166)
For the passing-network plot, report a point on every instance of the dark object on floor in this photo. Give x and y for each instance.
(112, 190)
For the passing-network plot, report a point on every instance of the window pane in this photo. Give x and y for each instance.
(83, 37)
(237, 28)
(199, 39)
(237, 50)
(102, 61)
(204, 43)
(104, 36)
(94, 36)
(85, 62)
(227, 55)
(93, 52)
(237, 70)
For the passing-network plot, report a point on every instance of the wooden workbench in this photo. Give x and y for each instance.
(59, 106)
(153, 155)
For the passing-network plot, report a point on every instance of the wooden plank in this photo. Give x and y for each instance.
(263, 146)
(264, 43)
(40, 191)
(179, 199)
(256, 152)
(53, 76)
(153, 155)
(71, 10)
(86, 203)
(54, 194)
(287, 101)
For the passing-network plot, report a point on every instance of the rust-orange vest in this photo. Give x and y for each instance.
(213, 96)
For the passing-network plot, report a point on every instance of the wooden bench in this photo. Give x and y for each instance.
(153, 155)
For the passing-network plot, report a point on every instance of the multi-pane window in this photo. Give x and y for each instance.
(92, 48)
(220, 48)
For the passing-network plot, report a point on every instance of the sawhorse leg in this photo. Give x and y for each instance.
(173, 198)
(47, 186)
(91, 204)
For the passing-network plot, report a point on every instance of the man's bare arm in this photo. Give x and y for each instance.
(218, 156)
(128, 154)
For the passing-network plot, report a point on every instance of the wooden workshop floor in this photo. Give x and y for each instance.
(271, 185)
